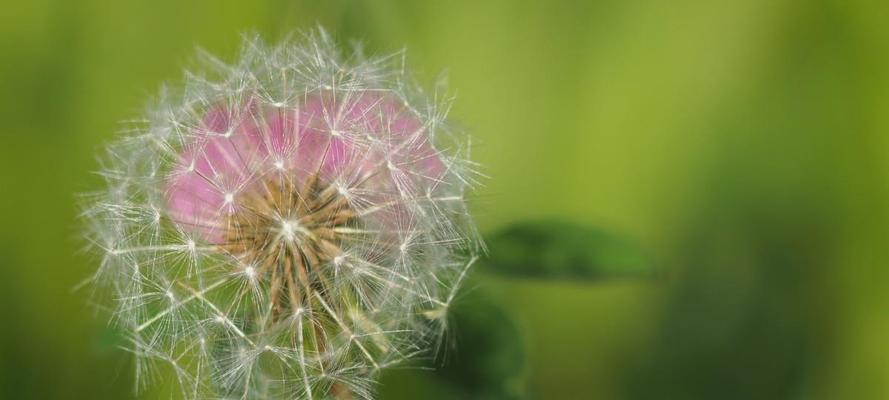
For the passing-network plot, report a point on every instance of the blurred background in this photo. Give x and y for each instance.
(742, 144)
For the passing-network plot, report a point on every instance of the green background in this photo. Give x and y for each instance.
(743, 144)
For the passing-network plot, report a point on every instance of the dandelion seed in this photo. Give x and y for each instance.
(305, 205)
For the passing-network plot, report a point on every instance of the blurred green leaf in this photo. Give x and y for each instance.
(488, 361)
(109, 339)
(555, 249)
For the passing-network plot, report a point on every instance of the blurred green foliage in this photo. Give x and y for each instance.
(554, 249)
(482, 355)
(743, 144)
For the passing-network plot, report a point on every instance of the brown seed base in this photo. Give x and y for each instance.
(287, 232)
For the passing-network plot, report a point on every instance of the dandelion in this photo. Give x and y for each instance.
(286, 226)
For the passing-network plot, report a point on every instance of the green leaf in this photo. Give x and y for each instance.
(487, 360)
(563, 250)
(108, 340)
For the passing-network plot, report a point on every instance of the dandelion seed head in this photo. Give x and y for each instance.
(286, 225)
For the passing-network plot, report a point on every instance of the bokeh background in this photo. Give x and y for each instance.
(742, 144)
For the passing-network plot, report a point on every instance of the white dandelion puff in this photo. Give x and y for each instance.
(286, 226)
